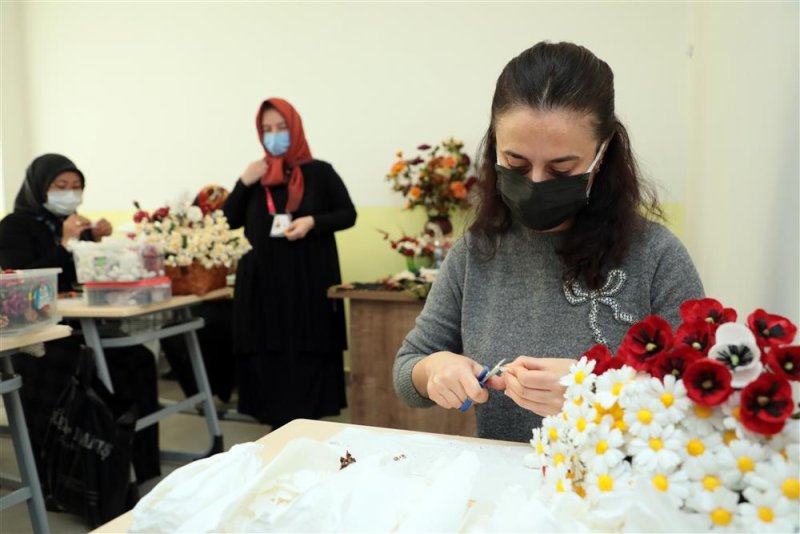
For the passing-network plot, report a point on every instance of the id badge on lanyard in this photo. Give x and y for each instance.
(280, 221)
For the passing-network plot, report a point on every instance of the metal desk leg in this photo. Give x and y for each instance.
(24, 454)
(201, 379)
(92, 338)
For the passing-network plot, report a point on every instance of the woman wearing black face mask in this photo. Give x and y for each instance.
(558, 226)
(35, 236)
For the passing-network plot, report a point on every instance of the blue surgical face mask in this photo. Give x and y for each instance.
(276, 143)
(63, 203)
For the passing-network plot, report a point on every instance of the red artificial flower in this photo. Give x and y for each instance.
(784, 361)
(708, 310)
(603, 359)
(674, 362)
(645, 340)
(707, 382)
(771, 330)
(423, 147)
(160, 214)
(766, 404)
(697, 335)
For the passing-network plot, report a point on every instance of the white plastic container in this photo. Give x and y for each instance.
(128, 294)
(116, 260)
(28, 300)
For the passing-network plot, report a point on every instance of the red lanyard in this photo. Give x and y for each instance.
(270, 203)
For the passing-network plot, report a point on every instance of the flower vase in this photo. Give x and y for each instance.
(442, 221)
(411, 264)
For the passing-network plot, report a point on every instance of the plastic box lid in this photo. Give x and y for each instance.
(22, 274)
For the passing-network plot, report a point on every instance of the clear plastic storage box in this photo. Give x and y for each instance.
(116, 260)
(28, 300)
(128, 294)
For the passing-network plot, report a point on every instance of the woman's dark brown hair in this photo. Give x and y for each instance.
(565, 76)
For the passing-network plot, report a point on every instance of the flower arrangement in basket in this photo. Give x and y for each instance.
(689, 430)
(199, 248)
(438, 178)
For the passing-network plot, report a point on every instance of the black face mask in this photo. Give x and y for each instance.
(544, 205)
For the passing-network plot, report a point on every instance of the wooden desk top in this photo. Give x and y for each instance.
(79, 309)
(317, 430)
(8, 343)
(371, 294)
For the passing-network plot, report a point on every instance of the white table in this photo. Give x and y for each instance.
(275, 441)
(10, 384)
(186, 325)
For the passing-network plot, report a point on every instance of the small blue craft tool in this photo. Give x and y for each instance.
(485, 375)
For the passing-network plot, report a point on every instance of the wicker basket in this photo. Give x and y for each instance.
(195, 279)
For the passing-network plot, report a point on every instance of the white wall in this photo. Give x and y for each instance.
(150, 98)
(743, 193)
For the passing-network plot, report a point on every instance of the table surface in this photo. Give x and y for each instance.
(318, 430)
(77, 308)
(48, 333)
(342, 292)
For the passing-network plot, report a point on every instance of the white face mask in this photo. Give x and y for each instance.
(63, 203)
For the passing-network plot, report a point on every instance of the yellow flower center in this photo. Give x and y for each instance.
(560, 486)
(703, 412)
(745, 464)
(728, 436)
(616, 389)
(571, 475)
(580, 491)
(621, 425)
(540, 448)
(766, 514)
(578, 401)
(735, 412)
(656, 444)
(580, 424)
(791, 488)
(710, 482)
(579, 376)
(695, 447)
(553, 433)
(645, 416)
(605, 483)
(564, 416)
(650, 347)
(721, 517)
(667, 399)
(696, 345)
(558, 459)
(616, 411)
(661, 483)
(601, 447)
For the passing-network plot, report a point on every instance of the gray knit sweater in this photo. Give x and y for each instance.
(517, 304)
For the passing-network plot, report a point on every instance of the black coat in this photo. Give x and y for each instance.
(280, 300)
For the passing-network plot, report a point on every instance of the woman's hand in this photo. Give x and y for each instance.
(448, 379)
(101, 229)
(254, 172)
(299, 227)
(533, 383)
(72, 228)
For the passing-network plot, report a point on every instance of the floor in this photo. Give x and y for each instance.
(176, 433)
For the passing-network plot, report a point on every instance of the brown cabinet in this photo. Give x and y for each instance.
(379, 321)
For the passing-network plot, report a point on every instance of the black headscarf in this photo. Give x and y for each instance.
(40, 174)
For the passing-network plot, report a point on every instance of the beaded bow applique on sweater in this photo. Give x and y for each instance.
(577, 294)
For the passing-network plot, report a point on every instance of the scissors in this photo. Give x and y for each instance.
(485, 375)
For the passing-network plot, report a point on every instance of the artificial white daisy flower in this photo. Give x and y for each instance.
(646, 418)
(703, 420)
(558, 479)
(581, 424)
(762, 513)
(697, 451)
(672, 485)
(672, 395)
(778, 476)
(659, 452)
(609, 386)
(603, 448)
(721, 509)
(600, 482)
(739, 458)
(554, 428)
(581, 374)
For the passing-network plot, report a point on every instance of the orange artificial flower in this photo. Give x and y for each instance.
(458, 189)
(449, 162)
(397, 168)
(415, 192)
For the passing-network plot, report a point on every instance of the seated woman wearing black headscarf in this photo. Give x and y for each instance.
(35, 236)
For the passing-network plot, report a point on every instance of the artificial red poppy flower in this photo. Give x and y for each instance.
(674, 362)
(766, 404)
(645, 340)
(697, 335)
(709, 310)
(784, 361)
(771, 330)
(707, 382)
(603, 359)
